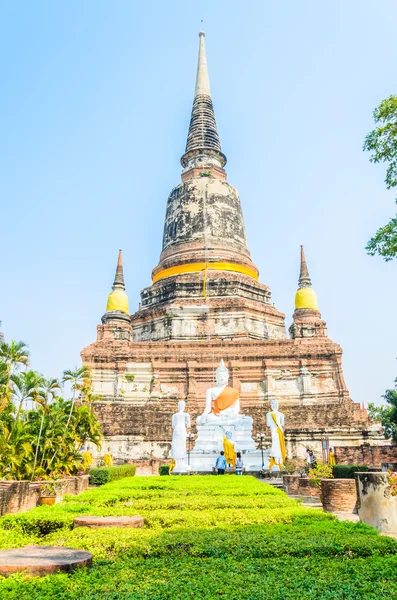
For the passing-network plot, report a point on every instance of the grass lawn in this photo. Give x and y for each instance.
(204, 537)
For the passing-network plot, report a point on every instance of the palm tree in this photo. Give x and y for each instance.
(4, 388)
(80, 379)
(25, 387)
(15, 451)
(14, 355)
(49, 387)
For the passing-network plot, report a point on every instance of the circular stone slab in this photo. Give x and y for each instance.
(96, 522)
(42, 560)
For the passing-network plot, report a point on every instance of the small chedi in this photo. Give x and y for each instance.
(206, 303)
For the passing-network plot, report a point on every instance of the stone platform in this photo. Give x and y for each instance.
(205, 461)
(42, 560)
(98, 522)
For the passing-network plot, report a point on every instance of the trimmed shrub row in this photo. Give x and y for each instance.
(347, 471)
(224, 536)
(102, 475)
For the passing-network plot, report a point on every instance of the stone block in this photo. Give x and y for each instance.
(376, 505)
(42, 560)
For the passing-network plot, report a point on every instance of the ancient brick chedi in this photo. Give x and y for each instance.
(206, 303)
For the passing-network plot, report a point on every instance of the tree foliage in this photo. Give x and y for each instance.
(387, 415)
(42, 434)
(382, 143)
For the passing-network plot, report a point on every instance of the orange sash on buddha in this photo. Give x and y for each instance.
(225, 399)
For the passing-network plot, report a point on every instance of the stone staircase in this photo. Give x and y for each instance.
(308, 501)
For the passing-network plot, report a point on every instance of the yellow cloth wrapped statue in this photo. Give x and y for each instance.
(230, 453)
(278, 452)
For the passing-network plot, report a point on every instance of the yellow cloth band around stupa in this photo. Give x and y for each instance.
(212, 266)
(117, 300)
(306, 298)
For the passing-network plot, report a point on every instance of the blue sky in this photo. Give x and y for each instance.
(94, 108)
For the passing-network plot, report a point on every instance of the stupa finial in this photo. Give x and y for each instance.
(118, 283)
(304, 277)
(203, 147)
(202, 78)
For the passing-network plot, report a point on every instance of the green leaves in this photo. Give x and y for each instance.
(14, 355)
(386, 414)
(103, 475)
(40, 433)
(347, 471)
(384, 242)
(382, 143)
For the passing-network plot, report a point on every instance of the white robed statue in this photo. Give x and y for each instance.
(180, 424)
(278, 453)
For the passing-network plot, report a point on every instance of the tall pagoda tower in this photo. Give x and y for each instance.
(205, 278)
(206, 303)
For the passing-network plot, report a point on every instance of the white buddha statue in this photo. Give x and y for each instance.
(275, 420)
(222, 402)
(180, 424)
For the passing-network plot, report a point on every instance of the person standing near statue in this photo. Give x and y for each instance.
(180, 424)
(239, 464)
(221, 463)
(278, 453)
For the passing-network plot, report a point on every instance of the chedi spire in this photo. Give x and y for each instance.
(307, 318)
(118, 283)
(304, 277)
(117, 304)
(305, 296)
(203, 146)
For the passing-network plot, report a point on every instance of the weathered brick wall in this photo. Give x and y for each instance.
(304, 375)
(291, 484)
(372, 456)
(149, 467)
(17, 496)
(153, 421)
(338, 495)
(75, 485)
(305, 489)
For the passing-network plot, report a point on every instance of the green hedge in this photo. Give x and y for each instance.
(347, 471)
(225, 537)
(164, 469)
(103, 475)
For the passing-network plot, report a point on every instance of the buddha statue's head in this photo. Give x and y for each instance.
(222, 374)
(274, 404)
(181, 405)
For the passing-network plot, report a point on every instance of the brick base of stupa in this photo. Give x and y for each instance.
(140, 383)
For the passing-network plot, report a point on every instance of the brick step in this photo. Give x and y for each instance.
(307, 500)
(276, 483)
